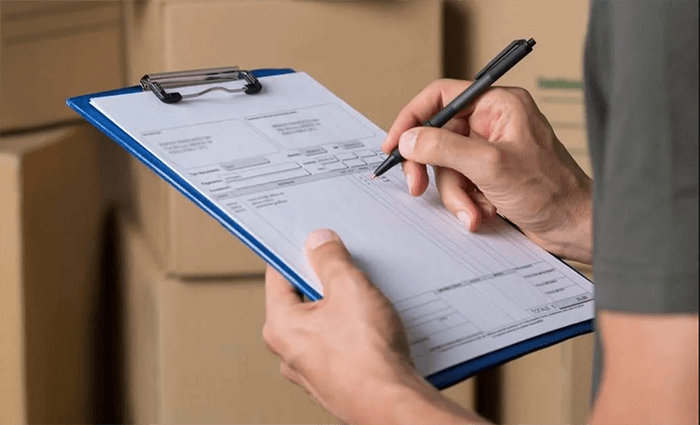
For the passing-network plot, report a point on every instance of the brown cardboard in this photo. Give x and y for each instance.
(50, 209)
(550, 386)
(194, 350)
(463, 393)
(52, 50)
(553, 72)
(374, 55)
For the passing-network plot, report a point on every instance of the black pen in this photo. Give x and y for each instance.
(498, 66)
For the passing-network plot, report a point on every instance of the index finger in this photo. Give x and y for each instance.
(426, 104)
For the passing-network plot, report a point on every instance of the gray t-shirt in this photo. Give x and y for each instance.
(641, 87)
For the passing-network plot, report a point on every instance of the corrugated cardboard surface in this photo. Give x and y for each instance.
(374, 55)
(52, 50)
(50, 210)
(194, 350)
(553, 73)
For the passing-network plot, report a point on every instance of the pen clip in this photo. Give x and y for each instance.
(505, 52)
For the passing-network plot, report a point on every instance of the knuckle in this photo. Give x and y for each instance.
(404, 113)
(270, 337)
(521, 100)
(513, 96)
(521, 94)
(294, 358)
(352, 277)
(500, 93)
(286, 372)
(443, 151)
(336, 267)
(426, 143)
(443, 144)
(438, 84)
(494, 158)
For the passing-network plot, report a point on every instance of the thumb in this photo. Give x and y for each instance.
(331, 260)
(473, 157)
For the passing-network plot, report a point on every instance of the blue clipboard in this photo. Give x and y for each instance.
(443, 379)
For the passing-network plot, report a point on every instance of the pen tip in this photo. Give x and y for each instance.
(373, 176)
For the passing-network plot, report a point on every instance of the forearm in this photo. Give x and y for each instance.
(413, 401)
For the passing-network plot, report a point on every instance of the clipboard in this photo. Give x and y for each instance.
(162, 85)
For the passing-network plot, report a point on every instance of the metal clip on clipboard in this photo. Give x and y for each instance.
(160, 82)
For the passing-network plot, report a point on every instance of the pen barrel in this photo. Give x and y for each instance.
(470, 94)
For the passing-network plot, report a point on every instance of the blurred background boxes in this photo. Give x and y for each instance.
(52, 50)
(550, 386)
(50, 214)
(553, 73)
(193, 350)
(374, 55)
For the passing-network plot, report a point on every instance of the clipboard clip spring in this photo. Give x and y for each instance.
(160, 82)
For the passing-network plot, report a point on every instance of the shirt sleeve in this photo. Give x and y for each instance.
(646, 181)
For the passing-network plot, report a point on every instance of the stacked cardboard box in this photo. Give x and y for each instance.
(550, 386)
(51, 206)
(194, 351)
(50, 215)
(52, 50)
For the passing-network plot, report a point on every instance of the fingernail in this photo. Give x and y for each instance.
(410, 180)
(319, 237)
(407, 142)
(464, 217)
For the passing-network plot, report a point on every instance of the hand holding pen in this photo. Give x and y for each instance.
(499, 155)
(498, 66)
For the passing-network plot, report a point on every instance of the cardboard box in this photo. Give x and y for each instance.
(50, 214)
(553, 73)
(356, 49)
(52, 50)
(551, 386)
(463, 394)
(194, 351)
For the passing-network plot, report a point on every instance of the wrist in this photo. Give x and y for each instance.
(410, 400)
(573, 238)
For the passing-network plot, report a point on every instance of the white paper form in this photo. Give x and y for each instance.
(295, 158)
